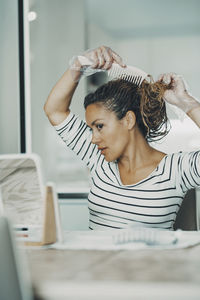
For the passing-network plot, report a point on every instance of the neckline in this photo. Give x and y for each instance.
(142, 180)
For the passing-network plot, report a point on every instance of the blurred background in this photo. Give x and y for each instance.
(157, 36)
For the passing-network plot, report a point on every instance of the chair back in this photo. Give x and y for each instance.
(187, 215)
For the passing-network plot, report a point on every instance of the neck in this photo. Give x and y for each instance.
(138, 153)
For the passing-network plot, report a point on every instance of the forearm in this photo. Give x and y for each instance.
(59, 99)
(194, 114)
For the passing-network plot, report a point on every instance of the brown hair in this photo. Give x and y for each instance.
(145, 101)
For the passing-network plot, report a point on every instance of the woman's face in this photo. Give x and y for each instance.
(108, 133)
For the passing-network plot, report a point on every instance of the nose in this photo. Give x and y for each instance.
(95, 138)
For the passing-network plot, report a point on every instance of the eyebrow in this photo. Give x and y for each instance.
(93, 123)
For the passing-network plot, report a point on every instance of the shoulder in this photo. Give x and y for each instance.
(70, 119)
(179, 155)
(186, 154)
(184, 160)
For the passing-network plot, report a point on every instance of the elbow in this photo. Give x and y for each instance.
(48, 113)
(45, 108)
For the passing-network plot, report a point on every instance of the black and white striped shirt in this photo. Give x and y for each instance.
(153, 202)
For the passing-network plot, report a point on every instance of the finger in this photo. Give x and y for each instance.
(107, 57)
(160, 77)
(108, 63)
(101, 60)
(174, 76)
(167, 78)
(175, 79)
(118, 59)
(108, 60)
(94, 58)
(180, 82)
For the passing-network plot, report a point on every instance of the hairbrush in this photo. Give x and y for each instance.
(128, 73)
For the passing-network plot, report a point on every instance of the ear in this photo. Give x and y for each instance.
(130, 119)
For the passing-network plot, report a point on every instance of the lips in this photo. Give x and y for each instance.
(102, 149)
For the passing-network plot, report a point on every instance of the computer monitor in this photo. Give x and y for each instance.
(14, 277)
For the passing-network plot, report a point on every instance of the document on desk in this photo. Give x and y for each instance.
(128, 239)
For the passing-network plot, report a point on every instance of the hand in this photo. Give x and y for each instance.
(177, 93)
(101, 58)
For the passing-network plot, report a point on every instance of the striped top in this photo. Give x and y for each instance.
(152, 202)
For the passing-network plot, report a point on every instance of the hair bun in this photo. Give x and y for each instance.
(153, 109)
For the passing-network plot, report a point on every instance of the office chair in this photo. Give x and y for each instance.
(187, 218)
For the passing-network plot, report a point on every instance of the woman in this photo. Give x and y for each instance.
(131, 182)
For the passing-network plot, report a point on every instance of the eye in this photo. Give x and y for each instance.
(99, 126)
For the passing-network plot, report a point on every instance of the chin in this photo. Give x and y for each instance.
(109, 159)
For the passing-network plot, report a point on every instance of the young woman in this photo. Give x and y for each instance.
(131, 182)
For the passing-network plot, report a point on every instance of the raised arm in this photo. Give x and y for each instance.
(180, 97)
(59, 99)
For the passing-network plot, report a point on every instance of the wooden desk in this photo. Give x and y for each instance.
(160, 273)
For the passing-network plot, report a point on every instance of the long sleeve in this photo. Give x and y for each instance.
(188, 170)
(77, 136)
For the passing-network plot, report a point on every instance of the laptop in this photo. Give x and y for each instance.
(15, 281)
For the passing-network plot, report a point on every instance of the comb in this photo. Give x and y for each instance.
(128, 73)
(149, 236)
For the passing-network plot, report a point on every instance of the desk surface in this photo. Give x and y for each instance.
(181, 267)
